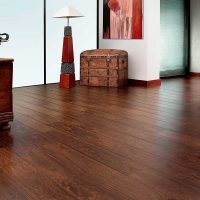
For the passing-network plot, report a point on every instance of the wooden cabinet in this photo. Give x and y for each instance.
(6, 105)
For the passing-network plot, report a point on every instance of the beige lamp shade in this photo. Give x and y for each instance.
(68, 12)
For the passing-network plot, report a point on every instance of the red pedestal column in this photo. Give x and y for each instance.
(67, 81)
(67, 77)
(68, 53)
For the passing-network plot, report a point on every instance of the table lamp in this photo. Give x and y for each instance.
(67, 76)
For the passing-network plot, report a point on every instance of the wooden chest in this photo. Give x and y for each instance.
(104, 67)
(6, 107)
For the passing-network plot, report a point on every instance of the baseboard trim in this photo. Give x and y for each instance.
(195, 74)
(142, 83)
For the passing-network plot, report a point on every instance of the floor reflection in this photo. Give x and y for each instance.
(6, 139)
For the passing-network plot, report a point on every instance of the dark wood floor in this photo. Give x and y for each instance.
(98, 143)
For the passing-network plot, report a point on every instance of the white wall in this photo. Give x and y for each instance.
(84, 34)
(195, 36)
(144, 55)
(23, 21)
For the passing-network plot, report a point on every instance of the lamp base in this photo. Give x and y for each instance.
(67, 81)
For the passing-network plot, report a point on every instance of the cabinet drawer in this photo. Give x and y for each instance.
(6, 77)
(5, 102)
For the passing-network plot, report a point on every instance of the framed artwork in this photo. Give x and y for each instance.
(122, 19)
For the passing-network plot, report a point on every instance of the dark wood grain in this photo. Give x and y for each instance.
(6, 107)
(99, 143)
(6, 60)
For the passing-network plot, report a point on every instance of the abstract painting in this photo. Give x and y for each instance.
(122, 19)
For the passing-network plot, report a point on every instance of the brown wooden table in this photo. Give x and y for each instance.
(6, 102)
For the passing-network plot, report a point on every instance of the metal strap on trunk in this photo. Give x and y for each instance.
(88, 68)
(108, 59)
(118, 71)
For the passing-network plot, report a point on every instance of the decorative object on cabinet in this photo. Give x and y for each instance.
(6, 105)
(104, 67)
(122, 19)
(67, 77)
(4, 37)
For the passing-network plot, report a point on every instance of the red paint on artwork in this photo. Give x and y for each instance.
(123, 19)
(114, 5)
(68, 53)
(137, 19)
(121, 22)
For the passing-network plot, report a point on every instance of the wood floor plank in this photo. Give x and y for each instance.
(99, 143)
(154, 149)
(172, 118)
